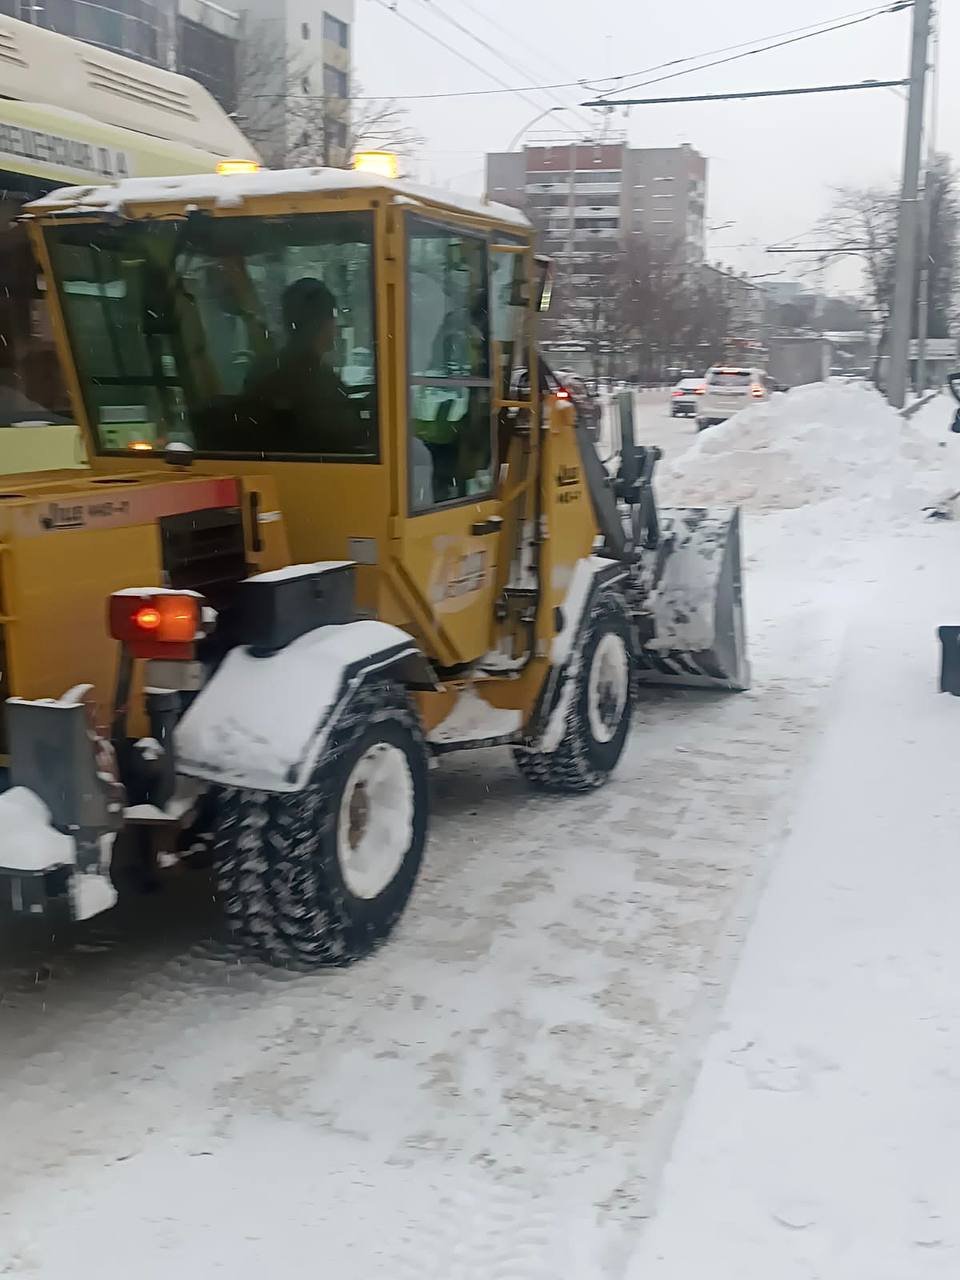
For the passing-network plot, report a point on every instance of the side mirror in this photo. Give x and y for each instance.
(545, 274)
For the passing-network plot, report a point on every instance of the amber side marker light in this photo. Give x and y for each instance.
(382, 163)
(226, 167)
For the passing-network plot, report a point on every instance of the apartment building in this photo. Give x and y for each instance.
(588, 200)
(586, 197)
(195, 37)
(312, 86)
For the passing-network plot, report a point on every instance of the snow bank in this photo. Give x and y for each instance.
(814, 444)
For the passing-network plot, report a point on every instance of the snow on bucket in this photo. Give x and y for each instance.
(694, 611)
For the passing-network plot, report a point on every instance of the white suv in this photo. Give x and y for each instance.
(730, 388)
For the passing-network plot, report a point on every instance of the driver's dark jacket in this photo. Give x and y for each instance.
(302, 406)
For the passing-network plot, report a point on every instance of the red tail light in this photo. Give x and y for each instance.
(155, 624)
(147, 619)
(698, 391)
(563, 394)
(756, 391)
(677, 393)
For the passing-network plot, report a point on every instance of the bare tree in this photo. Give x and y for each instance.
(323, 125)
(291, 124)
(635, 309)
(267, 82)
(862, 223)
(677, 313)
(942, 247)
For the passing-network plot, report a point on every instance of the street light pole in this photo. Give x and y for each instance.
(909, 209)
(527, 127)
(926, 237)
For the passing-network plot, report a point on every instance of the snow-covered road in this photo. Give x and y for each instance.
(496, 1092)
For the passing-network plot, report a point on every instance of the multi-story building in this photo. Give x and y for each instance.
(310, 81)
(195, 37)
(585, 196)
(589, 199)
(206, 47)
(747, 303)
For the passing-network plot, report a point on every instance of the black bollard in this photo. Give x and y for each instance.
(950, 660)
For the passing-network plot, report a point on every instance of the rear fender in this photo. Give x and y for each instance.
(263, 722)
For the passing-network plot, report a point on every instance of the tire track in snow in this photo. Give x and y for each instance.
(520, 1049)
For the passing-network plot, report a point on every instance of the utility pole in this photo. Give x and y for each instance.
(909, 210)
(926, 261)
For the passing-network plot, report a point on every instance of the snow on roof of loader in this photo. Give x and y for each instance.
(233, 189)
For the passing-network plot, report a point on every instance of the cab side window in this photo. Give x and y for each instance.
(451, 436)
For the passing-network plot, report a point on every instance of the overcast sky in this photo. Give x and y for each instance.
(772, 163)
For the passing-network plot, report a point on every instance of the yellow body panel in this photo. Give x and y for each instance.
(440, 575)
(27, 449)
(68, 540)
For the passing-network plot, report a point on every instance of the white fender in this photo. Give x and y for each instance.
(262, 722)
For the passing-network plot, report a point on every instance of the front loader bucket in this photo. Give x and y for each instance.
(692, 628)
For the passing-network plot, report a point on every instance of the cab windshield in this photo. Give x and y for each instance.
(236, 336)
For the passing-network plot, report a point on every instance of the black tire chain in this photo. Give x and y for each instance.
(568, 769)
(266, 844)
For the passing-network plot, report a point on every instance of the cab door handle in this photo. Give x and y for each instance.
(481, 528)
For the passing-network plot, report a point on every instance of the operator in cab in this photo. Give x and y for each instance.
(301, 401)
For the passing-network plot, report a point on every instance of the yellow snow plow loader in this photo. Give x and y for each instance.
(341, 518)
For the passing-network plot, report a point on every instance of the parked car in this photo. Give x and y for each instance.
(730, 388)
(684, 397)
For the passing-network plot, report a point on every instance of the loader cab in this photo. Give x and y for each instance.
(357, 344)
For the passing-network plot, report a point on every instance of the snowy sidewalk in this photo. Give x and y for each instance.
(821, 1140)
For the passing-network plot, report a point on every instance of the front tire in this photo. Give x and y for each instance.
(595, 704)
(321, 876)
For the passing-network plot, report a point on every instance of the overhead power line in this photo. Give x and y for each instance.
(757, 93)
(457, 53)
(823, 251)
(804, 33)
(431, 35)
(500, 56)
(541, 55)
(585, 82)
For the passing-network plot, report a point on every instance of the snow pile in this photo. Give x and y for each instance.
(474, 720)
(27, 840)
(931, 453)
(816, 443)
(92, 892)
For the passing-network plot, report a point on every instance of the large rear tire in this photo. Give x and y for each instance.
(595, 704)
(321, 877)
